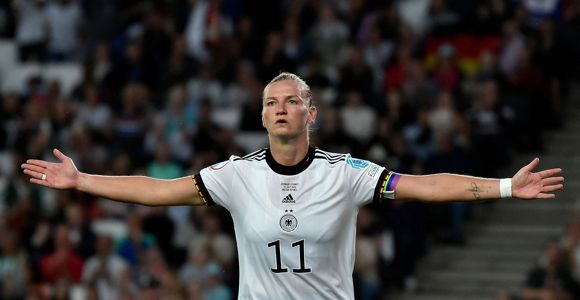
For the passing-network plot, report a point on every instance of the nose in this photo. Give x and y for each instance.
(281, 109)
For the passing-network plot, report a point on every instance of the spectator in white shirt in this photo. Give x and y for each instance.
(64, 27)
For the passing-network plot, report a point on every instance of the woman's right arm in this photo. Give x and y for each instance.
(130, 189)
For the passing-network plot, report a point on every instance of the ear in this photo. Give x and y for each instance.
(312, 113)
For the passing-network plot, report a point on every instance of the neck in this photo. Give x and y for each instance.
(289, 153)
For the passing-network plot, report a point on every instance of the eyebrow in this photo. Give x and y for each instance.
(286, 97)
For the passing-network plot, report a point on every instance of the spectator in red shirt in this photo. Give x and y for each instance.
(63, 262)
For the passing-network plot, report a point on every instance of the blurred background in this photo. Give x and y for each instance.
(164, 88)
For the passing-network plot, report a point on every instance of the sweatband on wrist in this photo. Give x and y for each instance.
(505, 187)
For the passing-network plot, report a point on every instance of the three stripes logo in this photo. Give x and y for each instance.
(288, 199)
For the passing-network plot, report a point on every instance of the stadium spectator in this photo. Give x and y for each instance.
(329, 36)
(355, 75)
(489, 119)
(104, 270)
(14, 268)
(552, 278)
(197, 269)
(216, 289)
(64, 20)
(31, 35)
(571, 246)
(358, 119)
(81, 234)
(134, 246)
(157, 223)
(94, 114)
(221, 246)
(366, 273)
(63, 263)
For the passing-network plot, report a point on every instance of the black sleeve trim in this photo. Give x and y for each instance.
(378, 197)
(203, 193)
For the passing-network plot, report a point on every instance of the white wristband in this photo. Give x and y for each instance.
(505, 187)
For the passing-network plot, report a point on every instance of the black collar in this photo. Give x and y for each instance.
(290, 170)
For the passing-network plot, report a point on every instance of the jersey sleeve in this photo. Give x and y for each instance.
(214, 183)
(370, 182)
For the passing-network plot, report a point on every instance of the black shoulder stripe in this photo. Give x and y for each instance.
(329, 155)
(260, 154)
(332, 162)
(202, 190)
(330, 159)
(254, 158)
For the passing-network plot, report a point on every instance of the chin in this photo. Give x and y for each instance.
(285, 134)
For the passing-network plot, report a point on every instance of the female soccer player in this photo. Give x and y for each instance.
(294, 207)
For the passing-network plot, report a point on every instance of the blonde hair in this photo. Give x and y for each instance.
(306, 92)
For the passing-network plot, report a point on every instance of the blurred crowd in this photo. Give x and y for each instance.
(556, 275)
(420, 86)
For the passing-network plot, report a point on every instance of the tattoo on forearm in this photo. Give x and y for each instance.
(475, 190)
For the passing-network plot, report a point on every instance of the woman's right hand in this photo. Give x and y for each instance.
(62, 175)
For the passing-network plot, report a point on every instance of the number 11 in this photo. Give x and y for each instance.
(279, 268)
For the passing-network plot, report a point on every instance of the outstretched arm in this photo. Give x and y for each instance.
(131, 189)
(525, 184)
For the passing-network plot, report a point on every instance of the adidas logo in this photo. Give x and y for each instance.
(288, 199)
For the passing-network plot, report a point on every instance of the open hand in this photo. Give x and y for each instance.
(540, 185)
(63, 175)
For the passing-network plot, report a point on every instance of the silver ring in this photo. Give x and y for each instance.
(43, 176)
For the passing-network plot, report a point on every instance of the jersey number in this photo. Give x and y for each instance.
(279, 268)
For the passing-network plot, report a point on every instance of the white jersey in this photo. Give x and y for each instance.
(295, 226)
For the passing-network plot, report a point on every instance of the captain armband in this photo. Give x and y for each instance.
(389, 184)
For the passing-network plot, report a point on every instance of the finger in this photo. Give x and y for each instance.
(33, 168)
(33, 174)
(546, 196)
(552, 180)
(551, 188)
(532, 165)
(38, 162)
(39, 181)
(59, 155)
(550, 172)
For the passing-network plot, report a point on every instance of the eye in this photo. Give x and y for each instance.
(270, 103)
(293, 101)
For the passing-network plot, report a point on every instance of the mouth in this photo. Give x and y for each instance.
(281, 121)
